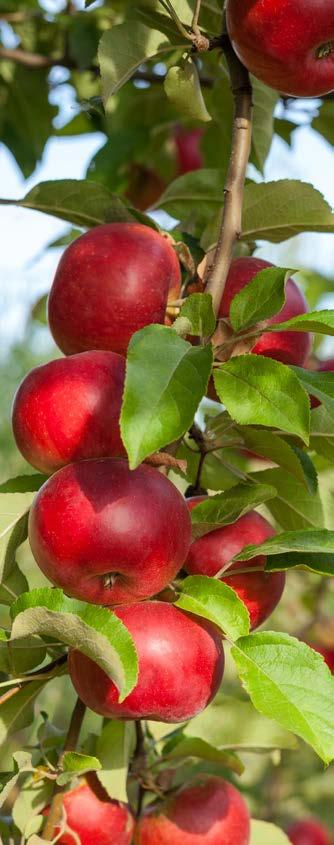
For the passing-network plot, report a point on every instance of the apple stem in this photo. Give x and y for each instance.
(55, 812)
(231, 225)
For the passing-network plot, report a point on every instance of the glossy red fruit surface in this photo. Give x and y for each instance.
(95, 821)
(69, 410)
(309, 832)
(188, 145)
(324, 367)
(208, 811)
(111, 282)
(108, 535)
(287, 347)
(181, 665)
(289, 44)
(260, 591)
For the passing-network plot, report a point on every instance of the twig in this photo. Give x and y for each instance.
(194, 23)
(241, 143)
(55, 812)
(170, 9)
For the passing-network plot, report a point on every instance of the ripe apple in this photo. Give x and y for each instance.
(69, 409)
(309, 832)
(109, 283)
(324, 367)
(107, 535)
(260, 591)
(181, 665)
(288, 44)
(188, 147)
(208, 811)
(95, 818)
(287, 347)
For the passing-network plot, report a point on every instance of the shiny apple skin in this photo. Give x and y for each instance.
(181, 665)
(309, 832)
(286, 347)
(68, 410)
(95, 821)
(188, 145)
(208, 811)
(97, 517)
(279, 42)
(111, 282)
(260, 591)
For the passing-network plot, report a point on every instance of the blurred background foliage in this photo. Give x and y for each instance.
(48, 60)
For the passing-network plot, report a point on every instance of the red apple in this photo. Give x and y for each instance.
(289, 44)
(260, 591)
(188, 146)
(327, 653)
(69, 409)
(208, 811)
(287, 347)
(95, 818)
(109, 283)
(107, 535)
(309, 832)
(324, 367)
(181, 665)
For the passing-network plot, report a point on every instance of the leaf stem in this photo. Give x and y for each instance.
(231, 226)
(55, 812)
(194, 23)
(169, 8)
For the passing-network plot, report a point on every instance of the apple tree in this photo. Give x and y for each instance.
(175, 487)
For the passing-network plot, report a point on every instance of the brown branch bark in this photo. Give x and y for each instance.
(55, 812)
(234, 187)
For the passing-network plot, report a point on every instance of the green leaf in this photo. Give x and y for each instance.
(264, 100)
(74, 763)
(183, 747)
(322, 433)
(232, 724)
(260, 299)
(22, 765)
(28, 117)
(21, 656)
(95, 631)
(17, 708)
(320, 385)
(81, 202)
(194, 198)
(115, 748)
(166, 378)
(38, 311)
(31, 800)
(198, 310)
(323, 123)
(276, 449)
(321, 322)
(286, 678)
(125, 47)
(308, 549)
(260, 391)
(276, 211)
(183, 88)
(294, 506)
(214, 600)
(16, 496)
(262, 833)
(226, 507)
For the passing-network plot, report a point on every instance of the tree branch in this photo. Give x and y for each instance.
(55, 812)
(234, 187)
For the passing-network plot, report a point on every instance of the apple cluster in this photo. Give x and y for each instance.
(118, 538)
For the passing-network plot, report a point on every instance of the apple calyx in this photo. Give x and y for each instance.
(325, 50)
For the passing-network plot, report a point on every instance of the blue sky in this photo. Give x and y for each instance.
(26, 268)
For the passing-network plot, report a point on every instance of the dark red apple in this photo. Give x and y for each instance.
(260, 591)
(95, 818)
(323, 367)
(287, 347)
(208, 811)
(289, 44)
(181, 665)
(309, 832)
(188, 146)
(107, 535)
(69, 409)
(111, 282)
(327, 654)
